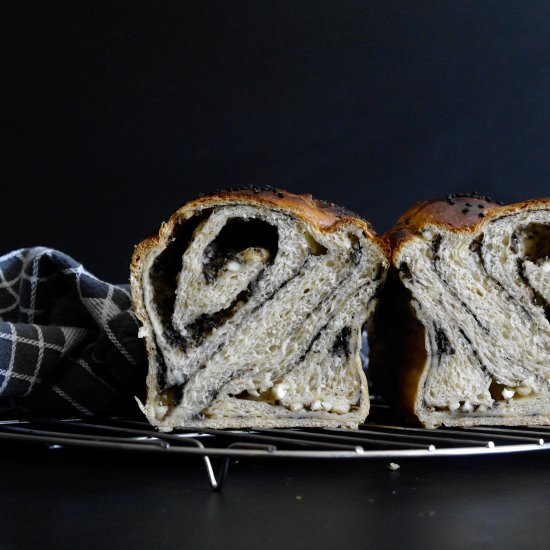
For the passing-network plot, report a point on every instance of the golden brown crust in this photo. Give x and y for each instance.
(323, 215)
(463, 213)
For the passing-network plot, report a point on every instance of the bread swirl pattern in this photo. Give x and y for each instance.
(252, 301)
(462, 333)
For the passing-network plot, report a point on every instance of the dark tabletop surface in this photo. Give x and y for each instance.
(81, 499)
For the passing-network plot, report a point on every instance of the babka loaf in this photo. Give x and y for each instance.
(252, 302)
(461, 336)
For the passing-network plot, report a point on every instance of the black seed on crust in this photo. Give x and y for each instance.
(472, 195)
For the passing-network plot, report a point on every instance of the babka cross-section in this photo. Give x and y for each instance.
(252, 302)
(462, 332)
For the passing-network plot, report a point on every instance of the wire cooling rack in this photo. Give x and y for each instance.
(381, 437)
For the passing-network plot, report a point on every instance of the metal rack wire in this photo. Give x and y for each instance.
(380, 438)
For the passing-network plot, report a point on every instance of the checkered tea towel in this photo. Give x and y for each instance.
(68, 341)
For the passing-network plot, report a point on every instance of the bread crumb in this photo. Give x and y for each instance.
(393, 466)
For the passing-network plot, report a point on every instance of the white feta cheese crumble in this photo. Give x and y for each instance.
(161, 410)
(340, 408)
(507, 393)
(427, 235)
(279, 391)
(233, 266)
(178, 378)
(523, 390)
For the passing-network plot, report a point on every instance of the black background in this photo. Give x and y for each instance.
(116, 114)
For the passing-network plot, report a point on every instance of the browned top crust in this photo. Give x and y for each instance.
(456, 212)
(339, 212)
(324, 215)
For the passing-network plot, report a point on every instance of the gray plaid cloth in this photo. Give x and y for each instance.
(68, 341)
